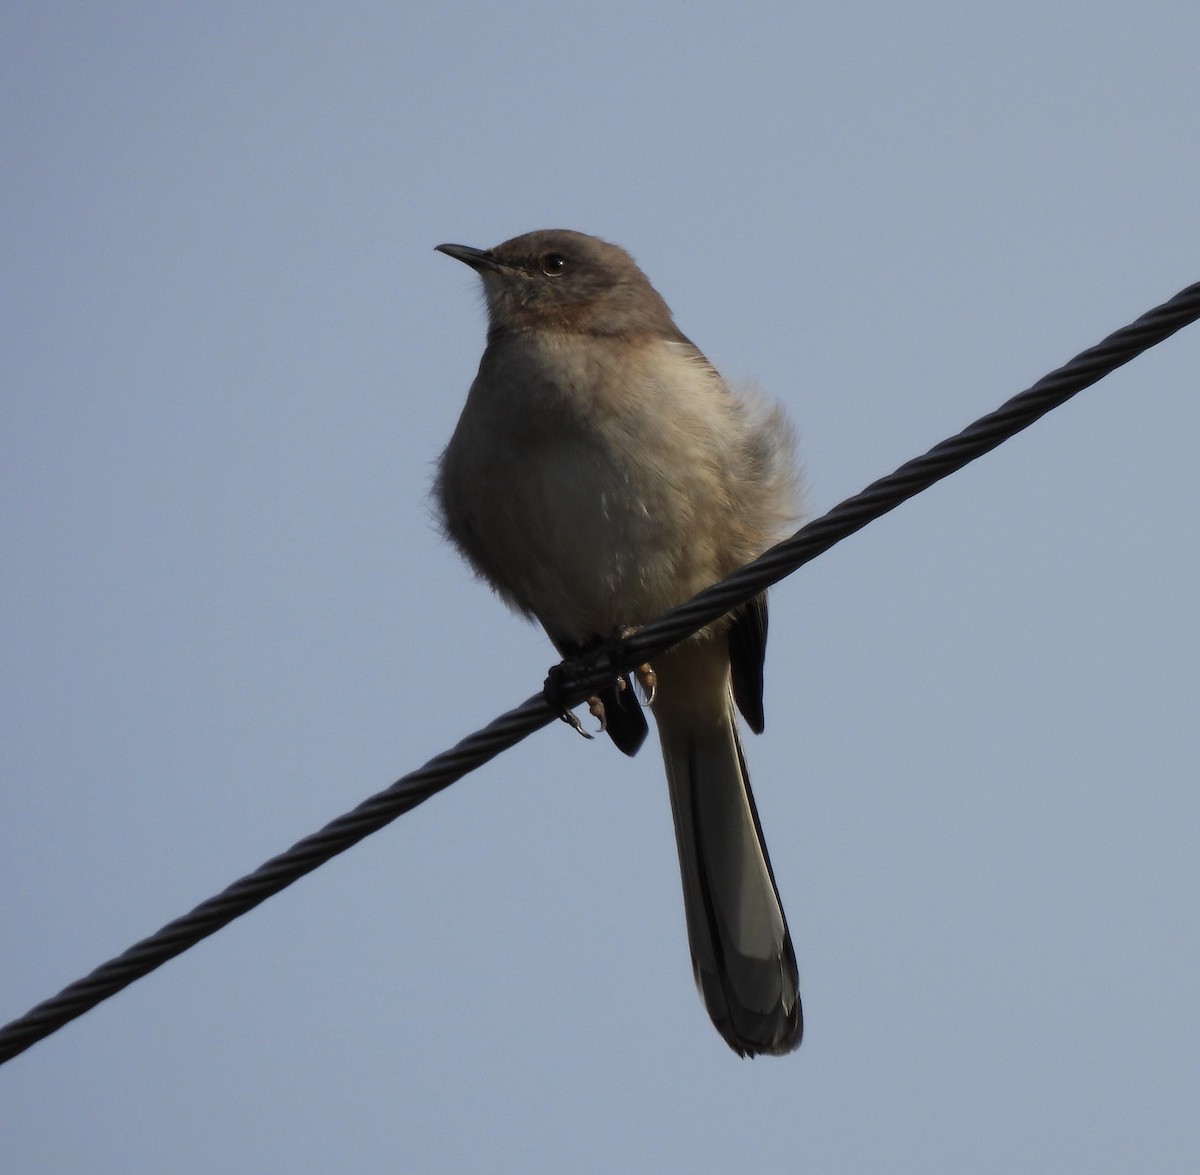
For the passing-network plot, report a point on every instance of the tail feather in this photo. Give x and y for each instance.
(742, 952)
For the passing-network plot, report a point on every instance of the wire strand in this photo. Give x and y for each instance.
(585, 678)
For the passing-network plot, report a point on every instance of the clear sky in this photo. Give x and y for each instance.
(230, 359)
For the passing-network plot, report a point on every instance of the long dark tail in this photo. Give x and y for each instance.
(742, 953)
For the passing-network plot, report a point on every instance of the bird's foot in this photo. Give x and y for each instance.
(643, 675)
(555, 690)
(562, 679)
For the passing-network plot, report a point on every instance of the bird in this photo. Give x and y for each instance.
(601, 472)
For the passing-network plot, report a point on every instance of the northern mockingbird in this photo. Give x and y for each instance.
(602, 472)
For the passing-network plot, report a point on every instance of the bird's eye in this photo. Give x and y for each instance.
(553, 264)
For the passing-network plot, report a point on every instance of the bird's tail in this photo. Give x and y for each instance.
(741, 951)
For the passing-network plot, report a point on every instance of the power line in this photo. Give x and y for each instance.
(586, 678)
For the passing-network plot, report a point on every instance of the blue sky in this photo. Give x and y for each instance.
(230, 360)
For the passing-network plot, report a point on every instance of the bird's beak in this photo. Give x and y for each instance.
(477, 259)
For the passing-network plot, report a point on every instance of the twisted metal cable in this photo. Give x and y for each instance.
(510, 728)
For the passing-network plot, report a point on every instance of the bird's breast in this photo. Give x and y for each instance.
(585, 479)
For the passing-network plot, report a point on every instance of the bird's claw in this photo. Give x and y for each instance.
(643, 674)
(595, 708)
(572, 720)
(648, 680)
(555, 689)
(558, 682)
